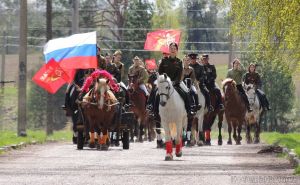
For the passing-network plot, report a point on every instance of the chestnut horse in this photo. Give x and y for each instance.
(102, 112)
(137, 99)
(235, 110)
(209, 118)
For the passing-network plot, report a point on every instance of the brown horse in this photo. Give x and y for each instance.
(138, 101)
(235, 110)
(101, 109)
(209, 119)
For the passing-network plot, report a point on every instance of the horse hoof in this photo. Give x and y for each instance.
(160, 144)
(200, 143)
(207, 143)
(103, 147)
(238, 143)
(169, 157)
(131, 141)
(229, 142)
(92, 145)
(179, 154)
(256, 141)
(220, 142)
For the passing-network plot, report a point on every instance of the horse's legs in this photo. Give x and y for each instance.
(239, 137)
(248, 133)
(178, 138)
(220, 141)
(234, 130)
(169, 143)
(229, 142)
(141, 130)
(257, 131)
(92, 137)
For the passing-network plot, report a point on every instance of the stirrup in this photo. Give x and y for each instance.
(210, 108)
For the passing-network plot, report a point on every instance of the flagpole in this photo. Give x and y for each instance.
(22, 70)
(49, 126)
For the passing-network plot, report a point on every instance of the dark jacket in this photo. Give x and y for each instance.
(199, 72)
(252, 78)
(210, 74)
(172, 67)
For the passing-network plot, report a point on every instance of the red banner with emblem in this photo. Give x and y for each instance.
(51, 76)
(159, 40)
(150, 64)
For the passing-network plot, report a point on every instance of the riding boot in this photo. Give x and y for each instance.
(219, 98)
(196, 99)
(207, 99)
(186, 98)
(267, 105)
(245, 98)
(156, 105)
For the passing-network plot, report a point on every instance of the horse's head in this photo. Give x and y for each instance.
(251, 92)
(229, 86)
(101, 88)
(165, 89)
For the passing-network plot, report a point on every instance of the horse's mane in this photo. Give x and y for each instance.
(228, 80)
(100, 74)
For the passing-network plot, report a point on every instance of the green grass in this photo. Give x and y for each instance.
(290, 140)
(11, 138)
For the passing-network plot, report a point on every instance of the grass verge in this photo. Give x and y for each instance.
(290, 140)
(8, 138)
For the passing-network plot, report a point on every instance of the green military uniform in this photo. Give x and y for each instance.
(120, 67)
(101, 62)
(112, 69)
(140, 72)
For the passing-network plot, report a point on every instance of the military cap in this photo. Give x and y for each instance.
(193, 56)
(205, 56)
(136, 58)
(118, 52)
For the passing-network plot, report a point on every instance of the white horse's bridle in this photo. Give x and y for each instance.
(168, 88)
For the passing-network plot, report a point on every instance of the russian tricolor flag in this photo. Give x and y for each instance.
(77, 51)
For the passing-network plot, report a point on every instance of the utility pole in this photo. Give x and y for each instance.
(49, 127)
(22, 70)
(3, 61)
(75, 16)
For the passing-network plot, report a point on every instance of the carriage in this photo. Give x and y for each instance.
(123, 122)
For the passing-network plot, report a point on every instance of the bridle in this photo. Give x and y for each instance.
(168, 88)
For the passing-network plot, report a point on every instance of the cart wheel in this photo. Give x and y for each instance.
(80, 140)
(125, 140)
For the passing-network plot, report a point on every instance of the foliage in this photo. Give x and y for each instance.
(272, 30)
(203, 14)
(37, 98)
(136, 19)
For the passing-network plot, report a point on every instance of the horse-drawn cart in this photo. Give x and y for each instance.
(121, 123)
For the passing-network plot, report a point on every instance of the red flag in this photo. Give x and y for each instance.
(160, 40)
(51, 77)
(151, 64)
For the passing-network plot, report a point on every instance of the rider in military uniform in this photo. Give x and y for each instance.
(110, 66)
(172, 66)
(189, 73)
(199, 72)
(119, 64)
(236, 73)
(210, 76)
(138, 70)
(252, 77)
(100, 59)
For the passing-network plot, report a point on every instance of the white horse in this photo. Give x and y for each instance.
(197, 124)
(254, 117)
(173, 115)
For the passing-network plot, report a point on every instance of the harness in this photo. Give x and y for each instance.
(169, 87)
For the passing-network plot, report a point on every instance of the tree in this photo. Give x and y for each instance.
(272, 30)
(138, 22)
